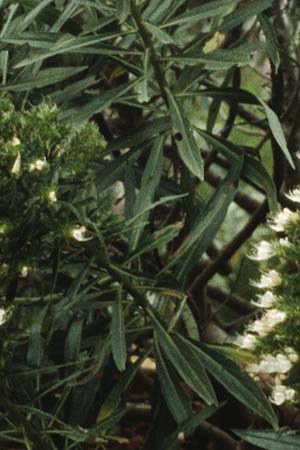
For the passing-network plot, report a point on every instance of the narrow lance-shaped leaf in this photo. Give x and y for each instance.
(188, 427)
(207, 223)
(33, 14)
(123, 9)
(44, 78)
(229, 374)
(197, 380)
(277, 132)
(118, 340)
(270, 440)
(271, 39)
(206, 11)
(114, 398)
(253, 169)
(219, 59)
(175, 396)
(187, 147)
(149, 182)
(97, 104)
(242, 13)
(35, 342)
(73, 340)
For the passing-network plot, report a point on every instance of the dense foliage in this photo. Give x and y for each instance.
(142, 143)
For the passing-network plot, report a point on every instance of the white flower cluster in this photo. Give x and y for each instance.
(278, 366)
(273, 367)
(283, 218)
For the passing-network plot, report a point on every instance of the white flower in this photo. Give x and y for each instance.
(284, 364)
(260, 327)
(266, 300)
(24, 271)
(267, 322)
(52, 196)
(38, 164)
(273, 317)
(268, 364)
(262, 251)
(253, 369)
(268, 280)
(16, 168)
(78, 233)
(282, 219)
(292, 354)
(294, 195)
(284, 242)
(247, 341)
(15, 141)
(2, 316)
(281, 394)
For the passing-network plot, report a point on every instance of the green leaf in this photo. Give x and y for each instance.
(4, 55)
(158, 239)
(123, 10)
(277, 132)
(270, 440)
(224, 94)
(271, 39)
(114, 398)
(44, 78)
(188, 427)
(135, 137)
(197, 380)
(175, 396)
(206, 11)
(82, 113)
(72, 90)
(118, 340)
(217, 60)
(149, 183)
(159, 34)
(73, 340)
(243, 13)
(27, 20)
(207, 223)
(68, 44)
(253, 170)
(187, 147)
(41, 40)
(36, 340)
(229, 374)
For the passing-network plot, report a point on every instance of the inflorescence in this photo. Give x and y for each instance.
(273, 338)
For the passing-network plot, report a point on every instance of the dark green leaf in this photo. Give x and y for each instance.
(270, 440)
(123, 9)
(243, 13)
(277, 132)
(187, 146)
(197, 380)
(149, 182)
(118, 340)
(82, 113)
(73, 340)
(206, 11)
(271, 39)
(43, 78)
(175, 396)
(229, 374)
(188, 427)
(253, 170)
(207, 223)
